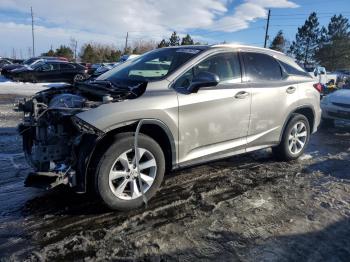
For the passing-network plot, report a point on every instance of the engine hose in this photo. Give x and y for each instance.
(137, 158)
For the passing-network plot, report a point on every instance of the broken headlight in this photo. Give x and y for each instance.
(85, 127)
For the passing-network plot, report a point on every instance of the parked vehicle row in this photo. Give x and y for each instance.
(6, 70)
(50, 71)
(33, 69)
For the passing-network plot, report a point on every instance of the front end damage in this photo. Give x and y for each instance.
(57, 144)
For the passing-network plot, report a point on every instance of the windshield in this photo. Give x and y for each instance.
(151, 66)
(29, 61)
(37, 64)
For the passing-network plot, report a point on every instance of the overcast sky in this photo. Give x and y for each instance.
(107, 21)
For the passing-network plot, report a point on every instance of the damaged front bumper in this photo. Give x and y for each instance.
(56, 142)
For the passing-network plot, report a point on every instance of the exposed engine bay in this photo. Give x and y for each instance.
(51, 132)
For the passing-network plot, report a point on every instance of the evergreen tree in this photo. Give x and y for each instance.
(65, 51)
(115, 55)
(163, 43)
(187, 40)
(174, 39)
(338, 28)
(306, 41)
(49, 53)
(88, 54)
(279, 42)
(334, 51)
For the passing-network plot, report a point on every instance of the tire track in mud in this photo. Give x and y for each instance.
(197, 199)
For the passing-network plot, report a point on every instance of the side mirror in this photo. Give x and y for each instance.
(203, 79)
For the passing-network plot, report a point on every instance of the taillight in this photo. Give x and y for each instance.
(318, 87)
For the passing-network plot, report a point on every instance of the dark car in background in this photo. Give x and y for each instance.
(50, 71)
(8, 68)
(4, 62)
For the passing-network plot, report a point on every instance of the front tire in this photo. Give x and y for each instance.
(116, 177)
(295, 138)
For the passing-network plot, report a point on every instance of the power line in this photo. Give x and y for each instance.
(317, 13)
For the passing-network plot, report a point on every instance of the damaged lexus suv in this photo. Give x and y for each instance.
(167, 109)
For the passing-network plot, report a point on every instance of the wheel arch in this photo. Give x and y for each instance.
(154, 128)
(306, 111)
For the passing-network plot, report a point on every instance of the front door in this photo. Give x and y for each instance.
(214, 121)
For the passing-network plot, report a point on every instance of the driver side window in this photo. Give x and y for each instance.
(226, 66)
(46, 67)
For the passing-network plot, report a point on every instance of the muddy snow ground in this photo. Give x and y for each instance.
(249, 208)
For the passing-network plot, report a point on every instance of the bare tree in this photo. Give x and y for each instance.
(142, 46)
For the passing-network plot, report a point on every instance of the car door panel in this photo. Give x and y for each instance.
(213, 121)
(271, 104)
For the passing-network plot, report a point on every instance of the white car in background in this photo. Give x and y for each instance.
(336, 106)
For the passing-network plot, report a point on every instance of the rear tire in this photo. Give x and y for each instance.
(116, 180)
(295, 138)
(78, 78)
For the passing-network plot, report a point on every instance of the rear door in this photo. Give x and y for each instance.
(274, 95)
(214, 121)
(47, 72)
(67, 72)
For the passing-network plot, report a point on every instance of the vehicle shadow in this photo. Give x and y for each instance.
(338, 168)
(329, 244)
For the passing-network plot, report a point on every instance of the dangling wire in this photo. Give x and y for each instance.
(137, 158)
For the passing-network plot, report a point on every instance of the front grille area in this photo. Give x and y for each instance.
(343, 115)
(342, 105)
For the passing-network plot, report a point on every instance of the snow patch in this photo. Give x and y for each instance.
(305, 157)
(27, 89)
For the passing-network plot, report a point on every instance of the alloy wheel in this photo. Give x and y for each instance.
(297, 138)
(123, 176)
(78, 78)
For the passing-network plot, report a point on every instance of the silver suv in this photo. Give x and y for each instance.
(192, 105)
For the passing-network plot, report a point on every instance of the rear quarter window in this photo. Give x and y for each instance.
(293, 70)
(261, 67)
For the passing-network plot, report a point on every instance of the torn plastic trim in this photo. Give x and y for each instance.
(85, 127)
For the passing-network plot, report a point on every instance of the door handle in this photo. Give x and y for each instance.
(241, 94)
(291, 90)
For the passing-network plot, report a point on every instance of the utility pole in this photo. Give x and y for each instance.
(31, 11)
(75, 50)
(126, 42)
(267, 28)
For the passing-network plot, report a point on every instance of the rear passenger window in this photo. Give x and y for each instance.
(261, 67)
(67, 66)
(226, 66)
(291, 70)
